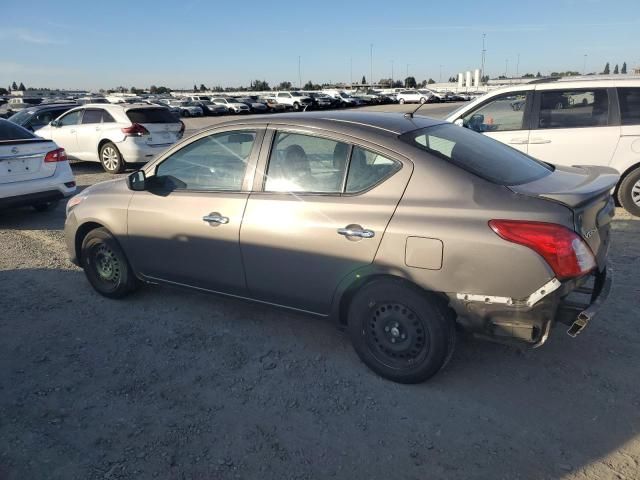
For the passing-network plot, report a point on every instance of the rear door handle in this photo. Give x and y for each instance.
(215, 217)
(518, 141)
(356, 231)
(538, 141)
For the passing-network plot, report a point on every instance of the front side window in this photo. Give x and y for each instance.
(478, 154)
(573, 109)
(501, 114)
(214, 163)
(70, 118)
(629, 105)
(303, 163)
(367, 169)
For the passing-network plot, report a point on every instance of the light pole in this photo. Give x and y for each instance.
(299, 74)
(391, 86)
(371, 64)
(483, 57)
(351, 72)
(440, 78)
(518, 66)
(506, 67)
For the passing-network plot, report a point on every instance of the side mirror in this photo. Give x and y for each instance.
(55, 123)
(137, 181)
(459, 122)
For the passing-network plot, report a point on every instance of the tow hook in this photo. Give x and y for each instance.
(578, 325)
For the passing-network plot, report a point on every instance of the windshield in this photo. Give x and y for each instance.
(478, 154)
(21, 117)
(344, 95)
(151, 115)
(296, 94)
(11, 131)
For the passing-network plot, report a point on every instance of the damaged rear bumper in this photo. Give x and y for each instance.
(574, 303)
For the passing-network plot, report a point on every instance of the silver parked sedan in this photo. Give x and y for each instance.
(396, 227)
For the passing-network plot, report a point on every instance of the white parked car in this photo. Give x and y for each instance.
(296, 100)
(115, 135)
(568, 122)
(232, 104)
(33, 171)
(415, 96)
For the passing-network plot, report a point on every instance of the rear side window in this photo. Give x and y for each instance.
(151, 115)
(11, 131)
(629, 105)
(478, 154)
(106, 117)
(367, 169)
(573, 108)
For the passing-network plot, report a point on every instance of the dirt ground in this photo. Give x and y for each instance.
(177, 385)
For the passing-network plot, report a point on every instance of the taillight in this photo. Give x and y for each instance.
(57, 155)
(135, 130)
(565, 252)
(182, 127)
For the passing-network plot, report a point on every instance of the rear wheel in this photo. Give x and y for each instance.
(105, 265)
(400, 332)
(401, 101)
(45, 206)
(423, 100)
(111, 159)
(629, 192)
(296, 106)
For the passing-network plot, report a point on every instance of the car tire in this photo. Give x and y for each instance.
(185, 113)
(629, 192)
(401, 101)
(45, 206)
(105, 265)
(400, 332)
(111, 159)
(296, 106)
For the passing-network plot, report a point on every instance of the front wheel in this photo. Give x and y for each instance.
(401, 333)
(401, 101)
(105, 265)
(296, 106)
(629, 192)
(423, 100)
(111, 159)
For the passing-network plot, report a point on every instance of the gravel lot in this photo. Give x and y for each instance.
(180, 385)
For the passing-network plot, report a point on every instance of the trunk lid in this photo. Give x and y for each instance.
(586, 190)
(162, 125)
(22, 160)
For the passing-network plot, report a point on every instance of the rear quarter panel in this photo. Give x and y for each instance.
(446, 203)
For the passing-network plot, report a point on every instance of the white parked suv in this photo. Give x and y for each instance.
(115, 135)
(296, 100)
(416, 96)
(33, 171)
(232, 104)
(568, 122)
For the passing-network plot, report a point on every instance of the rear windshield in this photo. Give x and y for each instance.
(151, 115)
(11, 131)
(22, 116)
(480, 155)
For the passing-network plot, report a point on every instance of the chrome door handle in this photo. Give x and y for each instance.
(538, 141)
(351, 231)
(72, 131)
(216, 218)
(518, 141)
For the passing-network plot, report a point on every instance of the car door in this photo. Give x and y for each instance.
(574, 127)
(88, 134)
(184, 228)
(504, 117)
(65, 132)
(310, 220)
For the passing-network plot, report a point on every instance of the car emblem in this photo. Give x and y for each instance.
(14, 150)
(589, 233)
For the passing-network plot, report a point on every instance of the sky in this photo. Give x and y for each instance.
(91, 45)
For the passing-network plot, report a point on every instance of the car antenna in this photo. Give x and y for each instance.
(410, 114)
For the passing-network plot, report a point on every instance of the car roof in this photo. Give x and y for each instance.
(570, 82)
(391, 123)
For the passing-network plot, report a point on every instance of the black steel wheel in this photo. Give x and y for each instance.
(400, 332)
(105, 264)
